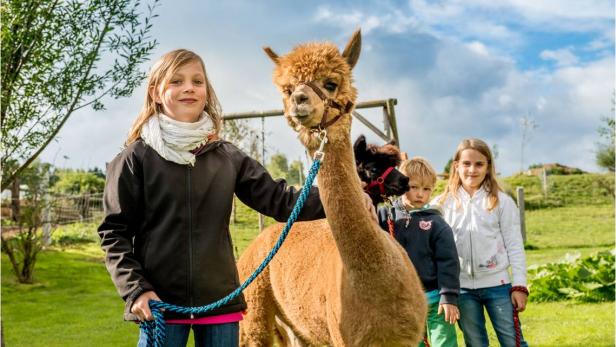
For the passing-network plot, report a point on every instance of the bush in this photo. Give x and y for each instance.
(589, 279)
(77, 233)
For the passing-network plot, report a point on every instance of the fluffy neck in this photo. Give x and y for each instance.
(363, 246)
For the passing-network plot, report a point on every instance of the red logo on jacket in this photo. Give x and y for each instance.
(425, 225)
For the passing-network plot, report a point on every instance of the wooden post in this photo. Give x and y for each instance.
(520, 193)
(391, 114)
(261, 219)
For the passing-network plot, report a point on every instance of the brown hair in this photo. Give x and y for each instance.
(490, 184)
(160, 74)
(419, 168)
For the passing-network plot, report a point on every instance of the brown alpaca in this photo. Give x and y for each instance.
(341, 281)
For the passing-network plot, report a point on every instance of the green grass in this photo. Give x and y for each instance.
(564, 190)
(74, 303)
(571, 227)
(562, 324)
(245, 228)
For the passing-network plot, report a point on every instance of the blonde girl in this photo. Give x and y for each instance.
(167, 201)
(486, 227)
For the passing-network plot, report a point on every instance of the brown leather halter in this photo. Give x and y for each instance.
(329, 103)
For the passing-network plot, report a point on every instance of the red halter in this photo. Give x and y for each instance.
(379, 182)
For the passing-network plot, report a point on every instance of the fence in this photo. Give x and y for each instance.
(65, 209)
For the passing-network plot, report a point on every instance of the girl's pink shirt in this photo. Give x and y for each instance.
(219, 319)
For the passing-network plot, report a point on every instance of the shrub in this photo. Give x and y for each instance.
(589, 279)
(76, 233)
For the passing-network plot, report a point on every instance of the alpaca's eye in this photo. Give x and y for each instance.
(287, 91)
(331, 86)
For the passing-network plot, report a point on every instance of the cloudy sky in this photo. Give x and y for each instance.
(458, 69)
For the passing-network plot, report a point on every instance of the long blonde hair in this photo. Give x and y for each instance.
(160, 74)
(490, 184)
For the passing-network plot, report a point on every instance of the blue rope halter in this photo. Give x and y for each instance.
(156, 330)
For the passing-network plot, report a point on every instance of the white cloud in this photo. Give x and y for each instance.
(393, 21)
(478, 48)
(447, 88)
(562, 57)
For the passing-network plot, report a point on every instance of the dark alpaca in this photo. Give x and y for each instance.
(372, 163)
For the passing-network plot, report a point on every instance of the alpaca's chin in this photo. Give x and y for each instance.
(308, 139)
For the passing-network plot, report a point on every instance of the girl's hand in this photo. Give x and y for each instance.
(519, 300)
(141, 308)
(452, 314)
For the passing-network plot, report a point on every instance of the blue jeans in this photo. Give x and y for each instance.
(211, 335)
(497, 301)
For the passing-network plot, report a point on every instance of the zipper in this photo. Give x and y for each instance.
(190, 249)
(470, 235)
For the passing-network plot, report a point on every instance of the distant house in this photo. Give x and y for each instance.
(552, 169)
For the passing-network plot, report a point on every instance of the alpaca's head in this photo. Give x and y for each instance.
(312, 69)
(374, 162)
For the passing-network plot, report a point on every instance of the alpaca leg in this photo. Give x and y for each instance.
(257, 327)
(287, 336)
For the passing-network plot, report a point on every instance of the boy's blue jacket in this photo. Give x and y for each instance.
(429, 242)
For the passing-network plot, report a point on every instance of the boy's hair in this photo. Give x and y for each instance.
(418, 168)
(489, 183)
(160, 74)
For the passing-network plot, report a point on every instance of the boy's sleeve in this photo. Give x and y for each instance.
(447, 264)
(122, 199)
(512, 236)
(257, 189)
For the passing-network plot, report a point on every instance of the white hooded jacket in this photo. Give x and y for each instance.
(488, 242)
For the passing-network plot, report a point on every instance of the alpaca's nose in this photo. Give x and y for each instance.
(300, 98)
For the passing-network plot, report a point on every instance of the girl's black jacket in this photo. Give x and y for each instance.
(166, 226)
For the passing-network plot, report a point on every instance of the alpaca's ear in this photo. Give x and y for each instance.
(352, 49)
(270, 53)
(359, 148)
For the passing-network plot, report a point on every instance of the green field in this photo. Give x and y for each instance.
(73, 302)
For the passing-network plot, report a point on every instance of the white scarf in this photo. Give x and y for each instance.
(173, 140)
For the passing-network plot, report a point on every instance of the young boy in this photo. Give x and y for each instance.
(429, 242)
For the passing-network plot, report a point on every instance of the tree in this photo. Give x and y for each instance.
(448, 166)
(22, 241)
(59, 57)
(239, 132)
(528, 125)
(78, 182)
(605, 151)
(278, 166)
(296, 173)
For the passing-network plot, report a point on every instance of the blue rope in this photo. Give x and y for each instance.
(156, 330)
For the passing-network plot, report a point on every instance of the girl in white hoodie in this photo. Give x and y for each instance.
(486, 226)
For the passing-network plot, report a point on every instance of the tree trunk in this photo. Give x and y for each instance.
(15, 200)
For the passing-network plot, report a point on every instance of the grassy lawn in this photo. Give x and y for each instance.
(74, 303)
(563, 324)
(571, 227)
